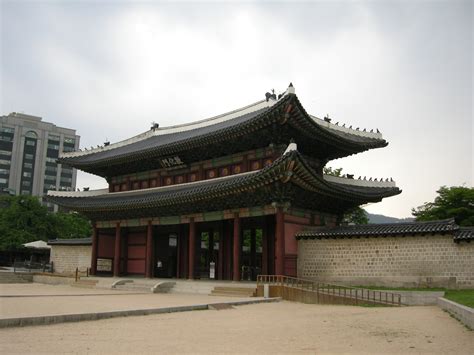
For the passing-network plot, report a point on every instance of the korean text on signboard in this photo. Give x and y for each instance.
(171, 162)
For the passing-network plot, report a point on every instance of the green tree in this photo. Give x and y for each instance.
(23, 219)
(356, 215)
(452, 202)
(72, 225)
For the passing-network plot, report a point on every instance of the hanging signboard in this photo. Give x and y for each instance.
(171, 162)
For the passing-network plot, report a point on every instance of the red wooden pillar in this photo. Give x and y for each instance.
(192, 244)
(236, 271)
(221, 252)
(149, 250)
(95, 243)
(117, 250)
(280, 242)
(265, 249)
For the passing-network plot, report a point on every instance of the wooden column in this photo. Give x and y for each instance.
(95, 244)
(117, 250)
(280, 242)
(265, 248)
(149, 250)
(228, 250)
(192, 244)
(236, 269)
(220, 270)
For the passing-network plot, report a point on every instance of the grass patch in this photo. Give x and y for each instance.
(383, 288)
(464, 297)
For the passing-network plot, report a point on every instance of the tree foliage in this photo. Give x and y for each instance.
(356, 215)
(23, 219)
(452, 202)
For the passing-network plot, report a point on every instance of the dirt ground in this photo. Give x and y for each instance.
(282, 327)
(42, 300)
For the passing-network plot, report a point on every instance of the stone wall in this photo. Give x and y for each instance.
(67, 258)
(431, 260)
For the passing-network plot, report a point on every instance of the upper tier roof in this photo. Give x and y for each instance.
(261, 123)
(289, 178)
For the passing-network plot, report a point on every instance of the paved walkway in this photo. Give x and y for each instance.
(33, 300)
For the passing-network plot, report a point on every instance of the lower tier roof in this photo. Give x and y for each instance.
(287, 179)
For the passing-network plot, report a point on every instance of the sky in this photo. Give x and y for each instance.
(110, 68)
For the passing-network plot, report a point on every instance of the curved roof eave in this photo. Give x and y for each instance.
(291, 166)
(164, 144)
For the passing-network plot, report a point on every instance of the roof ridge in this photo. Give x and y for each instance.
(172, 129)
(374, 225)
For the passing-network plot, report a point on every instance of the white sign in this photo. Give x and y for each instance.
(212, 270)
(104, 264)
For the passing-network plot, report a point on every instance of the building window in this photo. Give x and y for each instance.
(6, 134)
(7, 130)
(53, 137)
(4, 171)
(29, 156)
(26, 183)
(6, 138)
(6, 153)
(27, 174)
(53, 146)
(28, 165)
(30, 142)
(4, 162)
(3, 181)
(31, 134)
(69, 140)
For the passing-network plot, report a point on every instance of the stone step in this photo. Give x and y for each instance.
(85, 283)
(134, 287)
(10, 277)
(233, 291)
(80, 285)
(236, 289)
(226, 294)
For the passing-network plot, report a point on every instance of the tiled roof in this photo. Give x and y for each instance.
(73, 241)
(240, 124)
(464, 233)
(389, 229)
(289, 167)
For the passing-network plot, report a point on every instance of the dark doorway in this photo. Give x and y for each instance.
(208, 244)
(166, 253)
(252, 250)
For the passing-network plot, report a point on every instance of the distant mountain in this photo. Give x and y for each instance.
(380, 218)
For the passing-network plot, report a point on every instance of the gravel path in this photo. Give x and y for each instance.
(282, 327)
